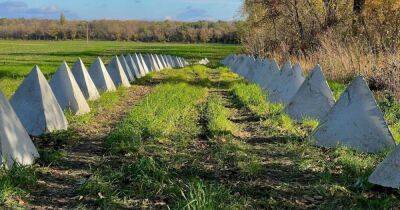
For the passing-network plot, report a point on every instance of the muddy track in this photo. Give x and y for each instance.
(58, 183)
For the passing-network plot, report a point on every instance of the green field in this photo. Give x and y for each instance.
(17, 58)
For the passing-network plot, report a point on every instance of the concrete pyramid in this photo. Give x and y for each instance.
(260, 72)
(100, 76)
(171, 61)
(274, 78)
(127, 69)
(387, 173)
(290, 81)
(16, 145)
(67, 91)
(145, 66)
(132, 65)
(164, 60)
(139, 63)
(355, 121)
(154, 62)
(117, 73)
(160, 64)
(251, 69)
(314, 99)
(147, 61)
(36, 106)
(84, 81)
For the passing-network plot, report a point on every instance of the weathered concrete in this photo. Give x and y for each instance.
(164, 60)
(67, 91)
(84, 81)
(261, 73)
(36, 106)
(117, 73)
(314, 98)
(145, 66)
(153, 61)
(139, 63)
(355, 121)
(387, 173)
(127, 70)
(132, 65)
(100, 76)
(16, 145)
(171, 61)
(291, 78)
(148, 62)
(159, 63)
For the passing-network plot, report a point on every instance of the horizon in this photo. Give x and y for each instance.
(143, 10)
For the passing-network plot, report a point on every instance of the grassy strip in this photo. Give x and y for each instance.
(217, 116)
(250, 96)
(158, 137)
(165, 115)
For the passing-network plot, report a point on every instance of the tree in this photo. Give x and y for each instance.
(63, 20)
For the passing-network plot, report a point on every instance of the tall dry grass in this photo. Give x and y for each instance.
(342, 61)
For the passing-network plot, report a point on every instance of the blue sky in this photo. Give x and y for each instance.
(184, 10)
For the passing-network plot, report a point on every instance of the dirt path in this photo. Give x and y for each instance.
(279, 166)
(58, 182)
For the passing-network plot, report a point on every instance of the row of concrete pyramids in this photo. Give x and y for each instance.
(37, 105)
(354, 121)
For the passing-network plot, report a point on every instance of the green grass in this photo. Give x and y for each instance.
(14, 184)
(252, 97)
(217, 117)
(169, 113)
(17, 58)
(158, 142)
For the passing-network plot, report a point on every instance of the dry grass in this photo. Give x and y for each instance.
(342, 61)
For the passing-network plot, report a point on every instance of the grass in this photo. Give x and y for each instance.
(14, 185)
(251, 96)
(17, 58)
(216, 116)
(162, 166)
(169, 113)
(219, 166)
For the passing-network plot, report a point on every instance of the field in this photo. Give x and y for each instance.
(17, 58)
(192, 138)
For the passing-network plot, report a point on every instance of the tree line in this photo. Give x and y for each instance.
(128, 30)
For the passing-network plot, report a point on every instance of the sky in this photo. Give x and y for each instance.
(182, 10)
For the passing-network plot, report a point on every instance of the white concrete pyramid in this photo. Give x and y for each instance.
(127, 69)
(132, 65)
(100, 76)
(314, 99)
(67, 91)
(16, 145)
(36, 106)
(164, 60)
(171, 61)
(387, 173)
(261, 73)
(154, 62)
(291, 78)
(139, 63)
(147, 61)
(145, 66)
(160, 64)
(355, 121)
(274, 78)
(117, 73)
(84, 81)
